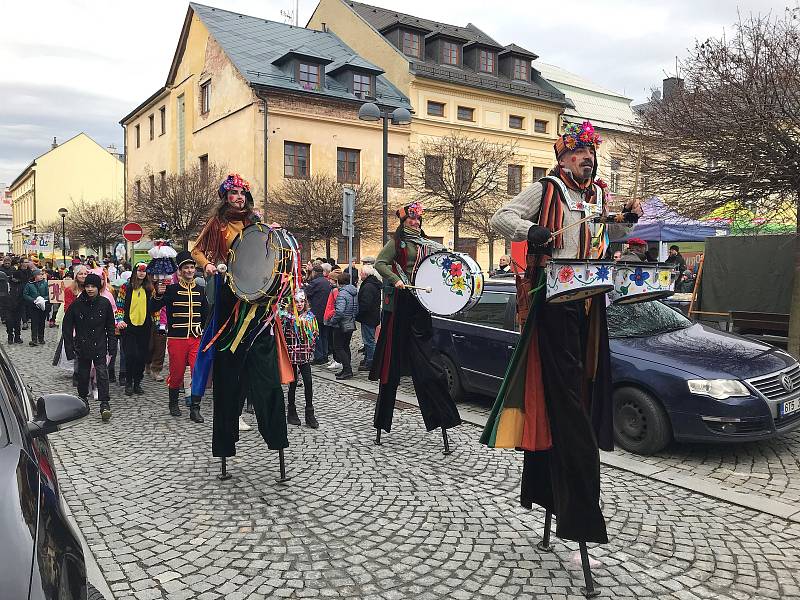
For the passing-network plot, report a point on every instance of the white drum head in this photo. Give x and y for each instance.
(453, 280)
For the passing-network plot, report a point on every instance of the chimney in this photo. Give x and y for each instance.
(112, 149)
(655, 95)
(671, 86)
(54, 145)
(325, 27)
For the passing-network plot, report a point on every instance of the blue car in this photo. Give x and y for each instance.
(674, 379)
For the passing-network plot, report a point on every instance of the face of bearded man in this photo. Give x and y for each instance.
(236, 198)
(580, 163)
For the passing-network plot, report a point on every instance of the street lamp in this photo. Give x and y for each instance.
(8, 232)
(62, 212)
(399, 116)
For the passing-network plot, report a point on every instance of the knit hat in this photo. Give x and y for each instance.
(93, 279)
(368, 260)
(636, 242)
(234, 180)
(183, 257)
(36, 272)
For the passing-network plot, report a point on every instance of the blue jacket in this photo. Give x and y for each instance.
(346, 307)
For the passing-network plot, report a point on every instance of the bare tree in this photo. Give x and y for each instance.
(96, 225)
(312, 208)
(478, 219)
(726, 138)
(183, 202)
(452, 172)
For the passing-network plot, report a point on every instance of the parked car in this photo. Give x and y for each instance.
(41, 557)
(673, 378)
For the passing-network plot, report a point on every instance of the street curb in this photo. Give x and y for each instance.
(93, 573)
(699, 485)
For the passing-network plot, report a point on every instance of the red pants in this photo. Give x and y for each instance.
(182, 354)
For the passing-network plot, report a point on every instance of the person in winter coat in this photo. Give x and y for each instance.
(88, 336)
(35, 295)
(317, 291)
(301, 332)
(369, 312)
(344, 322)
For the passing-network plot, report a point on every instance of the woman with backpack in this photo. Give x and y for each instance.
(344, 323)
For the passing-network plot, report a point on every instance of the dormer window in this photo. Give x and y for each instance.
(411, 44)
(362, 85)
(521, 68)
(487, 61)
(309, 76)
(450, 53)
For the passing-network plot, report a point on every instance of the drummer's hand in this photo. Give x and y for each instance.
(162, 287)
(634, 206)
(210, 269)
(275, 225)
(539, 236)
(399, 284)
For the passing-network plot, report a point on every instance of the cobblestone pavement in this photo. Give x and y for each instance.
(768, 468)
(360, 521)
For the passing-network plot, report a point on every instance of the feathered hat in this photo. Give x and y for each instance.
(162, 254)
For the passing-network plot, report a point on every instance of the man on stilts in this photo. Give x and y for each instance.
(555, 401)
(404, 346)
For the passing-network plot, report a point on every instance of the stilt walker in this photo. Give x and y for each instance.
(555, 400)
(243, 344)
(404, 346)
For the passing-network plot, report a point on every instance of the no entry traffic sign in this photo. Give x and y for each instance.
(132, 232)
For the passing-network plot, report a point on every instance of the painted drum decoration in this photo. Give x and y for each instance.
(572, 280)
(455, 279)
(642, 281)
(259, 261)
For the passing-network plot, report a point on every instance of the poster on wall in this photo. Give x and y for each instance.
(38, 243)
(56, 287)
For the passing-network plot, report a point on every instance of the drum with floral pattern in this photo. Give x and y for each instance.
(642, 281)
(572, 280)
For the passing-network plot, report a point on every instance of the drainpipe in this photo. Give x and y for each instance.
(266, 151)
(128, 254)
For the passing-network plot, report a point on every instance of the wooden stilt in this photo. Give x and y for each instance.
(378, 437)
(446, 442)
(545, 545)
(589, 590)
(223, 471)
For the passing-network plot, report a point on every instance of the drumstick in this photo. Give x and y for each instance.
(575, 224)
(416, 287)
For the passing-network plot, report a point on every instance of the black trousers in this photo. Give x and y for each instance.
(566, 478)
(408, 331)
(136, 344)
(38, 318)
(305, 372)
(341, 348)
(100, 374)
(13, 321)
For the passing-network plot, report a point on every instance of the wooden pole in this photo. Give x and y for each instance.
(696, 288)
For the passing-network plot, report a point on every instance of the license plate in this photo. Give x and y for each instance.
(789, 407)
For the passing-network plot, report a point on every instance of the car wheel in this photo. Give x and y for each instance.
(640, 424)
(454, 385)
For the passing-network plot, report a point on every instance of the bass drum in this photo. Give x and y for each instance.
(260, 262)
(455, 279)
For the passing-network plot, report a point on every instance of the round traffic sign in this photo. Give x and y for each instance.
(132, 232)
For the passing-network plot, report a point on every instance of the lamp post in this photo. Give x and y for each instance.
(399, 116)
(62, 212)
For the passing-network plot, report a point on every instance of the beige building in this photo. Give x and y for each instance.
(459, 79)
(77, 169)
(273, 103)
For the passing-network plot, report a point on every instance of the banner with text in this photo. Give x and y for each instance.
(38, 243)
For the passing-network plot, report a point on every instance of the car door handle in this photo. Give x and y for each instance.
(456, 336)
(511, 346)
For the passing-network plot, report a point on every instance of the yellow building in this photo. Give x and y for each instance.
(265, 99)
(458, 79)
(77, 169)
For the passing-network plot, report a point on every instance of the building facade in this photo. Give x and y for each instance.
(458, 79)
(6, 221)
(264, 99)
(79, 168)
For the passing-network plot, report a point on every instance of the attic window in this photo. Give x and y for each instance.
(521, 69)
(450, 52)
(411, 44)
(309, 76)
(362, 85)
(487, 61)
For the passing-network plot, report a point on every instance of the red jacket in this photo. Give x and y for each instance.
(330, 307)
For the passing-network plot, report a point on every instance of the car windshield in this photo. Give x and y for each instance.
(643, 319)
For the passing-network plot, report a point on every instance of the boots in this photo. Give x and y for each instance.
(311, 420)
(137, 387)
(291, 415)
(194, 410)
(105, 412)
(128, 387)
(174, 409)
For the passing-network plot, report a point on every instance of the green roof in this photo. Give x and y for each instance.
(254, 45)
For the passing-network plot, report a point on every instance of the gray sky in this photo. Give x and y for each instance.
(87, 63)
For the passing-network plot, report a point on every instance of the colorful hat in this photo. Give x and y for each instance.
(636, 242)
(234, 180)
(414, 210)
(577, 136)
(163, 255)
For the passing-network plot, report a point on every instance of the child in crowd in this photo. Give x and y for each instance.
(301, 331)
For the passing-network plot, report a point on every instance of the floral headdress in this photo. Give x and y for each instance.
(413, 210)
(234, 180)
(577, 136)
